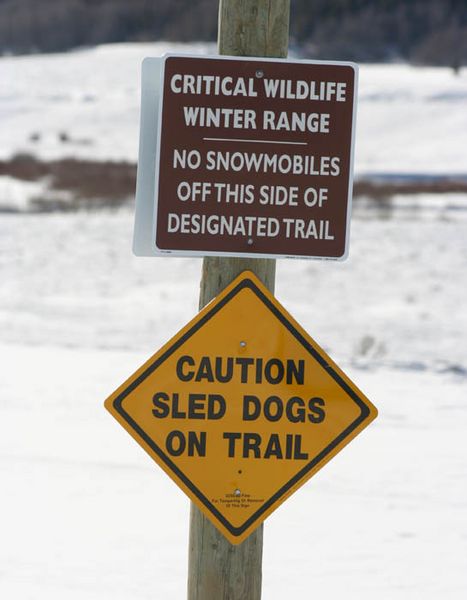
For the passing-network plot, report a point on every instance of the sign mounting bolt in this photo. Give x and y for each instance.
(237, 492)
(259, 73)
(242, 344)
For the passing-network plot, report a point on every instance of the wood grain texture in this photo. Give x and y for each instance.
(218, 570)
(254, 27)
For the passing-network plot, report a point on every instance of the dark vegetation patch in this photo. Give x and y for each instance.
(89, 184)
(421, 31)
(72, 183)
(382, 189)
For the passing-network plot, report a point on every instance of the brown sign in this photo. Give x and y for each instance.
(254, 157)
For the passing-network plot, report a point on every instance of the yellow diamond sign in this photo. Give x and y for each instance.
(241, 407)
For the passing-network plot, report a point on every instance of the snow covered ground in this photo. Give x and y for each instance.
(86, 104)
(85, 514)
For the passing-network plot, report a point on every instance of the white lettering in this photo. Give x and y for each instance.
(294, 121)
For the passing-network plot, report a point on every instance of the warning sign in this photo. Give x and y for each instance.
(241, 407)
(254, 157)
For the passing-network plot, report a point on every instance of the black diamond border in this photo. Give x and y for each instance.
(257, 516)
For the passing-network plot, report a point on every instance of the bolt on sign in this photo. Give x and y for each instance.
(253, 157)
(241, 407)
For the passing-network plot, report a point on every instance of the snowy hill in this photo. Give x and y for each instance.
(85, 513)
(69, 104)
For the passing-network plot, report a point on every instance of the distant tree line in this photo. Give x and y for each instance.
(421, 31)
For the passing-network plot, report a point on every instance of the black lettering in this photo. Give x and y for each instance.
(294, 371)
(227, 376)
(298, 415)
(251, 408)
(316, 414)
(269, 413)
(196, 406)
(244, 363)
(232, 437)
(175, 443)
(289, 445)
(259, 370)
(161, 410)
(251, 443)
(216, 407)
(268, 368)
(177, 414)
(274, 447)
(197, 441)
(205, 370)
(298, 448)
(180, 363)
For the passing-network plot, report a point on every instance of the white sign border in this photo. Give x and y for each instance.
(147, 182)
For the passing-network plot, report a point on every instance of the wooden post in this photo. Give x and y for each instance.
(218, 570)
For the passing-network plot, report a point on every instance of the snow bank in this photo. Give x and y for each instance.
(86, 104)
(85, 513)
